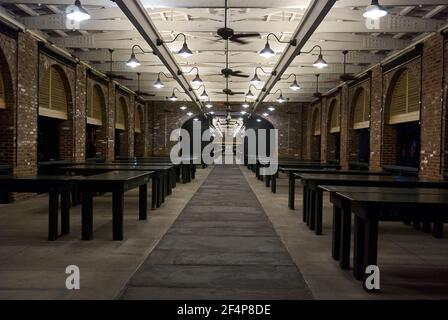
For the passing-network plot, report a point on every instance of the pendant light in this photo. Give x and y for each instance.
(374, 11)
(77, 12)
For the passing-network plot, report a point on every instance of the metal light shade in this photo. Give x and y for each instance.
(267, 52)
(133, 61)
(245, 105)
(197, 80)
(208, 105)
(158, 83)
(294, 86)
(280, 99)
(249, 95)
(320, 62)
(173, 97)
(374, 11)
(185, 52)
(204, 95)
(255, 80)
(77, 12)
(271, 109)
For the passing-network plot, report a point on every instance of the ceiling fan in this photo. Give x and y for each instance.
(111, 74)
(346, 76)
(229, 92)
(142, 93)
(227, 33)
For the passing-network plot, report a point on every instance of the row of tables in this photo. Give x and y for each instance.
(79, 182)
(370, 196)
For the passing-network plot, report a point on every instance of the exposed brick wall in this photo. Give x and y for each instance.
(344, 123)
(431, 108)
(8, 63)
(329, 140)
(80, 113)
(376, 115)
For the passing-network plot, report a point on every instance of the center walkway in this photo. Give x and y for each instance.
(222, 246)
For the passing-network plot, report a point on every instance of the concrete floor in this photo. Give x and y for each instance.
(413, 264)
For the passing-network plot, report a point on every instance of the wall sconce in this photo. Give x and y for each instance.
(267, 52)
(184, 52)
(320, 62)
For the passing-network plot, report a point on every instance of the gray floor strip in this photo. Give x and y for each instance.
(222, 246)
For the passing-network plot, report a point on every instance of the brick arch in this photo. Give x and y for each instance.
(333, 140)
(393, 132)
(139, 137)
(358, 135)
(7, 114)
(96, 135)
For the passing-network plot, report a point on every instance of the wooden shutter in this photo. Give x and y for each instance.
(121, 112)
(361, 112)
(53, 96)
(334, 117)
(138, 119)
(96, 106)
(316, 123)
(404, 100)
(2, 94)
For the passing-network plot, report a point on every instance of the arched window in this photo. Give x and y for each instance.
(334, 113)
(53, 99)
(316, 123)
(121, 114)
(95, 106)
(361, 112)
(404, 99)
(2, 94)
(138, 119)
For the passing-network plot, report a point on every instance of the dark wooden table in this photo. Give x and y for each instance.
(117, 182)
(371, 207)
(341, 228)
(291, 177)
(161, 185)
(5, 170)
(312, 194)
(294, 174)
(55, 186)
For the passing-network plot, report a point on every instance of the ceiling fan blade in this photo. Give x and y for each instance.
(238, 92)
(245, 35)
(240, 75)
(147, 94)
(239, 41)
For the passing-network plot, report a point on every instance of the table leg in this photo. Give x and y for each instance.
(319, 213)
(309, 202)
(117, 214)
(65, 212)
(304, 203)
(336, 234)
(274, 184)
(370, 243)
(312, 210)
(346, 232)
(154, 192)
(291, 191)
(169, 184)
(193, 171)
(268, 181)
(426, 227)
(358, 248)
(164, 187)
(143, 202)
(87, 216)
(53, 212)
(159, 191)
(437, 230)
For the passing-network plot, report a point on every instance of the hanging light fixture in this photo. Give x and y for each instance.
(320, 62)
(258, 120)
(184, 52)
(189, 114)
(267, 52)
(271, 109)
(133, 62)
(245, 105)
(256, 80)
(173, 95)
(183, 108)
(249, 94)
(280, 98)
(197, 81)
(294, 86)
(265, 114)
(204, 94)
(196, 119)
(374, 11)
(243, 112)
(77, 12)
(158, 83)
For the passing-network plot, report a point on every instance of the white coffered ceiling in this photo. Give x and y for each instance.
(343, 28)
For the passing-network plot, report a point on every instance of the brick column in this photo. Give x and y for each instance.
(27, 105)
(345, 116)
(79, 117)
(110, 122)
(431, 111)
(376, 119)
